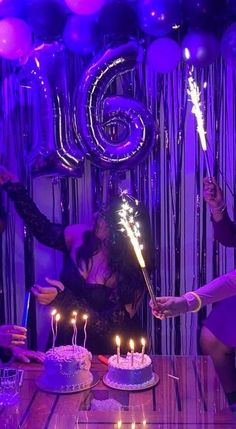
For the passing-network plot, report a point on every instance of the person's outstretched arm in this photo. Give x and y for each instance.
(224, 227)
(216, 290)
(48, 233)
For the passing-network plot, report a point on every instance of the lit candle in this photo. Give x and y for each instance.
(57, 318)
(119, 424)
(131, 344)
(73, 321)
(53, 313)
(85, 318)
(74, 314)
(133, 425)
(143, 342)
(118, 348)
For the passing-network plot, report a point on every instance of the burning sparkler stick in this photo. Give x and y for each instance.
(127, 220)
(194, 93)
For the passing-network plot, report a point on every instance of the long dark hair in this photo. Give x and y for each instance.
(121, 257)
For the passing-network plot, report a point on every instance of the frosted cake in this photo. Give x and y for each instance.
(66, 369)
(124, 375)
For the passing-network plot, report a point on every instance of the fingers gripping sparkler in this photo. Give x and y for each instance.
(127, 220)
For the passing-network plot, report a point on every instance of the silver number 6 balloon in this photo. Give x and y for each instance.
(114, 131)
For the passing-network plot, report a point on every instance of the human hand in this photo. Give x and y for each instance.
(45, 295)
(212, 193)
(169, 306)
(6, 176)
(11, 335)
(26, 356)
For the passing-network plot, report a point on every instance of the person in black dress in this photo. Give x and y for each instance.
(101, 275)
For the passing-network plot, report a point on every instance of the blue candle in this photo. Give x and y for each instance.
(26, 309)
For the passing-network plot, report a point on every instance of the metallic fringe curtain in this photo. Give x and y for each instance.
(169, 182)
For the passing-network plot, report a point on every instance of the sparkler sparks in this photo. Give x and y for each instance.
(194, 93)
(132, 228)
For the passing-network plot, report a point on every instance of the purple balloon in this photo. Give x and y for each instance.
(81, 34)
(157, 17)
(163, 55)
(85, 7)
(228, 45)
(116, 132)
(200, 49)
(15, 38)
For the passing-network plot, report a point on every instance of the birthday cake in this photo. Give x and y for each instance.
(66, 369)
(126, 373)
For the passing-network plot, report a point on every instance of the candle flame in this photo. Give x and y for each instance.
(85, 317)
(144, 422)
(74, 313)
(117, 340)
(143, 342)
(54, 311)
(119, 424)
(194, 93)
(73, 321)
(133, 426)
(131, 344)
(58, 316)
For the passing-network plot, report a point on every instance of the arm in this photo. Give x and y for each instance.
(216, 290)
(46, 232)
(224, 227)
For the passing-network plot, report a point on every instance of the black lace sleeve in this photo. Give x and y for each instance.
(48, 233)
(102, 323)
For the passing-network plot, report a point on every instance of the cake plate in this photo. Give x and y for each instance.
(131, 387)
(95, 381)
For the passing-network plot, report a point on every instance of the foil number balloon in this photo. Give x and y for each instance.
(113, 131)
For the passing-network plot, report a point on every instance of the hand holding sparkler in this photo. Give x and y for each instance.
(127, 220)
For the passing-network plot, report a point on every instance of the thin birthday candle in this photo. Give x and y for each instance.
(73, 321)
(131, 227)
(118, 348)
(57, 318)
(85, 318)
(74, 314)
(143, 342)
(131, 344)
(53, 313)
(194, 93)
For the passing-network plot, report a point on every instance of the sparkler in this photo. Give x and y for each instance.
(127, 220)
(194, 93)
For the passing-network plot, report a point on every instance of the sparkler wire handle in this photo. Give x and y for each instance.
(149, 285)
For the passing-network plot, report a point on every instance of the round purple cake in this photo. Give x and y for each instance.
(66, 369)
(124, 374)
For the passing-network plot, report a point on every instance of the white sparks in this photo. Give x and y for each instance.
(130, 226)
(194, 93)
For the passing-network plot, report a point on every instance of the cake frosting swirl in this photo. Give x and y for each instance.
(66, 369)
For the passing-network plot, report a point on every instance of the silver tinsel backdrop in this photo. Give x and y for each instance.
(168, 181)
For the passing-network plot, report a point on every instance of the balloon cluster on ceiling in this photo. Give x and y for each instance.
(198, 30)
(114, 131)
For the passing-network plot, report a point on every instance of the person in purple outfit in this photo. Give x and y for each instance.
(218, 334)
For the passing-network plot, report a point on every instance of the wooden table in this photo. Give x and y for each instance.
(194, 400)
